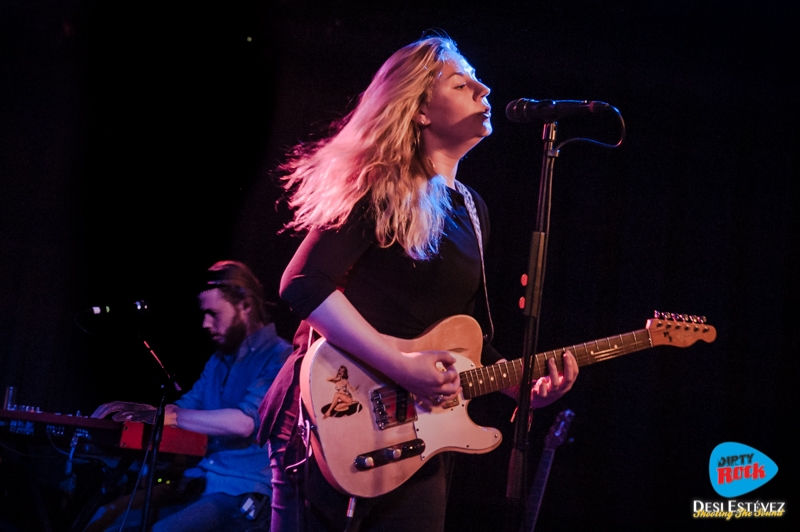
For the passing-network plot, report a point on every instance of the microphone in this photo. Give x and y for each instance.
(526, 110)
(138, 307)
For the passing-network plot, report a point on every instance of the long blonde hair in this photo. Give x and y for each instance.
(376, 153)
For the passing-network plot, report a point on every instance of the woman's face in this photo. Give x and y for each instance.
(458, 114)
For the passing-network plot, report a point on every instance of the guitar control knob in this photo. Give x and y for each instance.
(364, 463)
(388, 455)
(393, 454)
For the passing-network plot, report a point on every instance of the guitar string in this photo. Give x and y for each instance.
(485, 379)
(477, 378)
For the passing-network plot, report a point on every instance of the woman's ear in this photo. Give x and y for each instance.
(421, 118)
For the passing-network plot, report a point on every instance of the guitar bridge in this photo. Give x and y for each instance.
(392, 406)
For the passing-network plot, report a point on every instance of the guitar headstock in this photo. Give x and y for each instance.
(679, 330)
(558, 432)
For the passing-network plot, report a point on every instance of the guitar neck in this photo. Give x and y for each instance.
(487, 379)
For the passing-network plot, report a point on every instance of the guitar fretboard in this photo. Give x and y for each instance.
(487, 379)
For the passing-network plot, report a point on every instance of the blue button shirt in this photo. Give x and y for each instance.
(232, 464)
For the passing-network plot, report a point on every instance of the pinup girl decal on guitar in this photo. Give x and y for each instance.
(344, 402)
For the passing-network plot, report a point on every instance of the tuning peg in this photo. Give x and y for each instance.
(672, 316)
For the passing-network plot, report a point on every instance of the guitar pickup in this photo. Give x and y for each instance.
(389, 455)
(392, 406)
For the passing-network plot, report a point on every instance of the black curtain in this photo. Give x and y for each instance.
(139, 145)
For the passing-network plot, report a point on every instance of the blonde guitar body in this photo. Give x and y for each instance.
(339, 440)
(369, 436)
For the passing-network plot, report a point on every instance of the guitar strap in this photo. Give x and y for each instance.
(476, 225)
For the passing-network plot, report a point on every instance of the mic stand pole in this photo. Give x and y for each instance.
(155, 441)
(531, 308)
(156, 435)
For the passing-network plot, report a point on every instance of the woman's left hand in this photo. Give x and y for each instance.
(548, 389)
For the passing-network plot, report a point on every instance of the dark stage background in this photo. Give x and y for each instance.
(137, 144)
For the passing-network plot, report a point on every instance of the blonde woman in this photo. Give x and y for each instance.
(391, 248)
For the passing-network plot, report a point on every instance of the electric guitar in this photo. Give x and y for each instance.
(367, 435)
(554, 439)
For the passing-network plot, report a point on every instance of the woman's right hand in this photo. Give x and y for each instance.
(431, 376)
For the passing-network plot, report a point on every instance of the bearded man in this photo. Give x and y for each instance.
(231, 484)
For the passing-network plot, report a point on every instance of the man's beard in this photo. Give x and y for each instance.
(234, 336)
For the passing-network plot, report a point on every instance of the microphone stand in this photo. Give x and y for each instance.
(531, 309)
(534, 280)
(156, 435)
